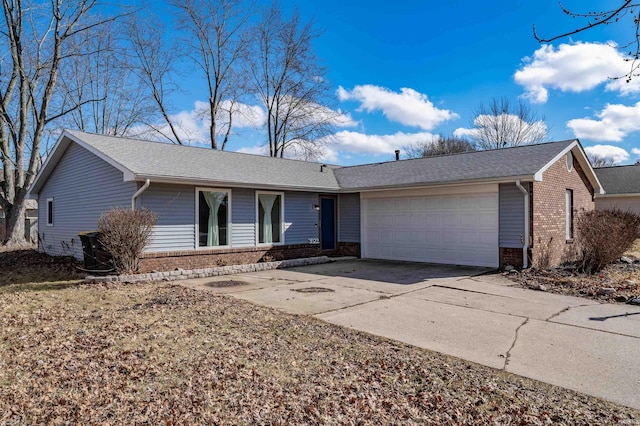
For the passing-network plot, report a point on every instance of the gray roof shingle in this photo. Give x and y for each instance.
(163, 160)
(469, 166)
(184, 164)
(620, 179)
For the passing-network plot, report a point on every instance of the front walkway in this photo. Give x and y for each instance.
(572, 342)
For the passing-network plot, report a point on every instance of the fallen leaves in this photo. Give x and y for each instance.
(163, 354)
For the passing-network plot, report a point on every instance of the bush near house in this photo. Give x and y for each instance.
(124, 234)
(602, 237)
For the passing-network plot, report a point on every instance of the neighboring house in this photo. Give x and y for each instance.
(32, 205)
(31, 217)
(622, 186)
(215, 207)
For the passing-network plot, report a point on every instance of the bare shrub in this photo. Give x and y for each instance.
(602, 237)
(124, 234)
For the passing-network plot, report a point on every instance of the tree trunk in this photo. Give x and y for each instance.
(15, 217)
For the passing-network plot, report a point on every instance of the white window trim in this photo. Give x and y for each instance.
(197, 219)
(50, 213)
(569, 161)
(257, 221)
(568, 201)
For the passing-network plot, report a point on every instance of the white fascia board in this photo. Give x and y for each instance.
(582, 159)
(225, 184)
(510, 179)
(629, 195)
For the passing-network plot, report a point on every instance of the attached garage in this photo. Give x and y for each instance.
(456, 225)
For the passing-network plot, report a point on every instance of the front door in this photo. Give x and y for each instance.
(327, 223)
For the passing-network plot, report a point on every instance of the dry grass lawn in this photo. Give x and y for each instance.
(163, 354)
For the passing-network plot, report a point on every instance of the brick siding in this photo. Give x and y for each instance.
(510, 256)
(550, 246)
(195, 259)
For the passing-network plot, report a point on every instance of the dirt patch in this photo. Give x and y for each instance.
(164, 354)
(30, 266)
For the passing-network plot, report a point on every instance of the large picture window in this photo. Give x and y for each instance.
(213, 217)
(270, 217)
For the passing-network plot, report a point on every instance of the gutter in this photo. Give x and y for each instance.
(525, 247)
(139, 192)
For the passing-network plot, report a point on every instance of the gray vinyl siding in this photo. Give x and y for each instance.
(174, 206)
(243, 216)
(349, 218)
(83, 187)
(511, 215)
(300, 217)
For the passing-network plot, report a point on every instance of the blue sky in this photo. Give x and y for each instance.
(403, 71)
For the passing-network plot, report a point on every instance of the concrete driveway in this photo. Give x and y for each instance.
(572, 342)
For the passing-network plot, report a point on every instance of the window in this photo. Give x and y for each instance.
(49, 211)
(212, 221)
(270, 215)
(569, 214)
(569, 161)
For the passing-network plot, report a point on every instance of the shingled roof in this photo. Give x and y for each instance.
(523, 162)
(620, 179)
(162, 162)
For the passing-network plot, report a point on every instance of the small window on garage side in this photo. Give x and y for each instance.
(270, 217)
(213, 217)
(569, 161)
(49, 211)
(569, 214)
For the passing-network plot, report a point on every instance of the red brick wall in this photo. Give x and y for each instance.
(549, 210)
(510, 256)
(195, 259)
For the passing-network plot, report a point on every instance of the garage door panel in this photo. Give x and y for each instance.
(460, 229)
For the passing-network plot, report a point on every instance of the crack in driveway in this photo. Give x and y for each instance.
(507, 357)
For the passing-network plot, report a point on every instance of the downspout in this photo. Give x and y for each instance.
(138, 192)
(525, 247)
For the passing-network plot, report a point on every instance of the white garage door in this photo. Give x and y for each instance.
(452, 229)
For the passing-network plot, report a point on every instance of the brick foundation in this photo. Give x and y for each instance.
(510, 256)
(195, 259)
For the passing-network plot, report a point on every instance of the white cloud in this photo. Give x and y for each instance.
(256, 149)
(608, 152)
(574, 68)
(614, 123)
(408, 107)
(513, 125)
(360, 143)
(192, 126)
(636, 151)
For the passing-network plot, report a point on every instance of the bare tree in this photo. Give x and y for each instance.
(291, 85)
(107, 77)
(35, 41)
(627, 12)
(217, 41)
(502, 124)
(439, 145)
(600, 160)
(154, 61)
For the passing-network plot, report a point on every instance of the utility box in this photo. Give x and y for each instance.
(96, 257)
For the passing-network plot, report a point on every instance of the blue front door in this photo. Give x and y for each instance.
(327, 223)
